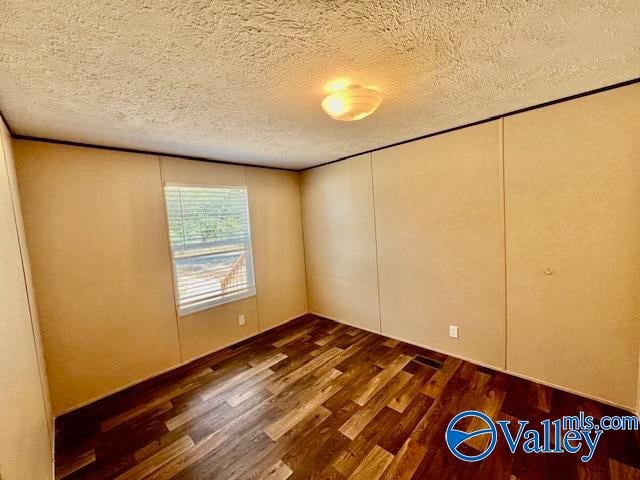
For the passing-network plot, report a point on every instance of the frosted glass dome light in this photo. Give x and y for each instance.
(351, 103)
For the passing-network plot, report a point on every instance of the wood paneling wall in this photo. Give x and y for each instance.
(278, 247)
(573, 207)
(439, 219)
(339, 238)
(435, 206)
(96, 224)
(208, 330)
(25, 444)
(96, 231)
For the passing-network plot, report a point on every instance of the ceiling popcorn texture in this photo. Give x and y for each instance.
(242, 81)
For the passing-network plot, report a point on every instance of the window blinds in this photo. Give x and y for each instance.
(211, 245)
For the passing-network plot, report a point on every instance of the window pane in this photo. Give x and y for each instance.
(211, 244)
(211, 275)
(207, 218)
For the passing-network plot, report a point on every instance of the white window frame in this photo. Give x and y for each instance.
(215, 302)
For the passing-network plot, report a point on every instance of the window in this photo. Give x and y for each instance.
(210, 244)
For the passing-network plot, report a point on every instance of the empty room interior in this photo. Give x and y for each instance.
(348, 240)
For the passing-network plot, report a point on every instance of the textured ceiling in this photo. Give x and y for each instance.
(242, 81)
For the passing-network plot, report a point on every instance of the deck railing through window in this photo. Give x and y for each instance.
(211, 245)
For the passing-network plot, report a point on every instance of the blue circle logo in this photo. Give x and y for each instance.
(455, 438)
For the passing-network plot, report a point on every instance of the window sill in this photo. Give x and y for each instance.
(187, 312)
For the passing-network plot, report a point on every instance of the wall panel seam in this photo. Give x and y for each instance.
(375, 240)
(41, 368)
(304, 245)
(481, 121)
(504, 234)
(172, 268)
(253, 258)
(486, 365)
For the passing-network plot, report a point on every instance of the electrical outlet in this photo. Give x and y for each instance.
(241, 320)
(453, 331)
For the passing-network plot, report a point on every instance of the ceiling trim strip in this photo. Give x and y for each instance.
(223, 162)
(489, 119)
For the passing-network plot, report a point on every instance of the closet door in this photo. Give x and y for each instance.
(572, 187)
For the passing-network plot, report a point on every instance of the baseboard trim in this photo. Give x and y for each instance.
(486, 365)
(172, 368)
(350, 324)
(295, 317)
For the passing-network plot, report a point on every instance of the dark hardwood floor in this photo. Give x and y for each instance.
(316, 399)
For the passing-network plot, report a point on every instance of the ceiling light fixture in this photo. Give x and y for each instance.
(351, 103)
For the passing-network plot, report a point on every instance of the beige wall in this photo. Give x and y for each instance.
(278, 256)
(209, 330)
(33, 309)
(339, 238)
(96, 223)
(638, 392)
(573, 205)
(22, 237)
(96, 231)
(439, 219)
(25, 447)
(278, 248)
(212, 329)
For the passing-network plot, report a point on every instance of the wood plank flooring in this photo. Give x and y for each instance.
(316, 399)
